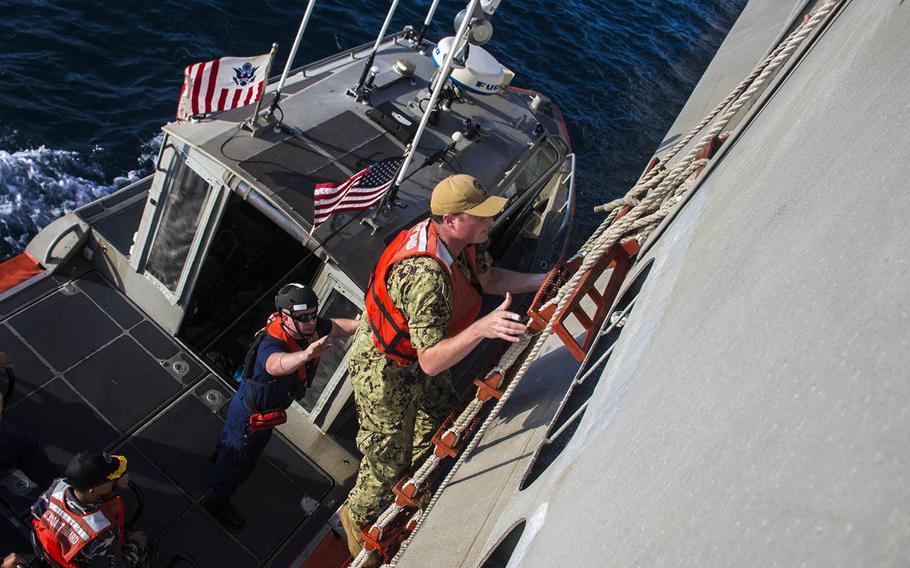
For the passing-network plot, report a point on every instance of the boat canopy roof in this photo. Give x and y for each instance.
(326, 135)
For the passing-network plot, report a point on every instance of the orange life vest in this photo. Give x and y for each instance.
(305, 373)
(275, 329)
(391, 334)
(63, 532)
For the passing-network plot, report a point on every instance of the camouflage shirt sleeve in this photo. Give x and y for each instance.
(483, 259)
(419, 287)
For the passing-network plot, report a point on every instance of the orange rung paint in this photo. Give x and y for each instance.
(384, 542)
(559, 275)
(446, 443)
(405, 494)
(618, 258)
(489, 387)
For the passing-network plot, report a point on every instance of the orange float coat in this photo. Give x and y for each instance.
(390, 328)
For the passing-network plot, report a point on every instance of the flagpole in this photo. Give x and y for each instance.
(359, 90)
(444, 71)
(253, 122)
(291, 56)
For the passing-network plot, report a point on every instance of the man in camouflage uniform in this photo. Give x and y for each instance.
(401, 406)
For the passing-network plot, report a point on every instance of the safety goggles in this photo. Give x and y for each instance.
(304, 317)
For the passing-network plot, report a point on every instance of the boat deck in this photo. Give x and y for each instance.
(94, 372)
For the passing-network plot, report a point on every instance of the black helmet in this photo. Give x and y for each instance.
(295, 297)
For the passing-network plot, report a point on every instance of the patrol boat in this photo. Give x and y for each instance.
(742, 398)
(133, 312)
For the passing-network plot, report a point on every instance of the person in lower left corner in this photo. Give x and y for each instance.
(279, 366)
(79, 520)
(20, 449)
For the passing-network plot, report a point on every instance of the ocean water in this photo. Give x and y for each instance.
(87, 84)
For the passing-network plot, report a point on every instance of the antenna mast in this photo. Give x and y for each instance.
(291, 56)
(461, 39)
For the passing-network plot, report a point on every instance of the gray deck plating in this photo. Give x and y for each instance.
(93, 372)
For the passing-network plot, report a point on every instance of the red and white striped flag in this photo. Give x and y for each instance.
(361, 191)
(221, 84)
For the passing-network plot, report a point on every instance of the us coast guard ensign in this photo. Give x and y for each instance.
(221, 84)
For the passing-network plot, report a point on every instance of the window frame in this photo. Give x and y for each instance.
(216, 198)
(326, 409)
(517, 202)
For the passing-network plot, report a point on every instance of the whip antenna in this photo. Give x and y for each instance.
(426, 24)
(360, 92)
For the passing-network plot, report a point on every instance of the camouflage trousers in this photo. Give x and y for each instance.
(399, 410)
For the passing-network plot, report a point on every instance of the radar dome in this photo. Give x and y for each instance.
(482, 74)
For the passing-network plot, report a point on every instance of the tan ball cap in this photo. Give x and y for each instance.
(464, 194)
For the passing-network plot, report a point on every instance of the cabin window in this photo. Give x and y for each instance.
(535, 168)
(508, 227)
(335, 306)
(500, 556)
(183, 197)
(575, 402)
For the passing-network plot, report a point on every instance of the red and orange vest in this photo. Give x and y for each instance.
(276, 330)
(391, 334)
(63, 532)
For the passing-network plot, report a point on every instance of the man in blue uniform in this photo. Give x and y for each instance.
(279, 365)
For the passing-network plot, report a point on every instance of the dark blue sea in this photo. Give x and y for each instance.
(86, 84)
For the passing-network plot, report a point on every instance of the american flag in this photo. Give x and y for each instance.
(221, 84)
(363, 190)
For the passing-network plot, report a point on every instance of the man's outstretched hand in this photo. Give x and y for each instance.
(501, 323)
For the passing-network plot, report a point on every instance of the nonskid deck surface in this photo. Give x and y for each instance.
(93, 372)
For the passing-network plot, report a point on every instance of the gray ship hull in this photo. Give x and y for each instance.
(753, 411)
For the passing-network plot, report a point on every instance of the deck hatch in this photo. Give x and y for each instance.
(164, 502)
(158, 344)
(342, 134)
(61, 443)
(111, 301)
(197, 535)
(180, 443)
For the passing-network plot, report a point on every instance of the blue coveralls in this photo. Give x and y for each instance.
(238, 447)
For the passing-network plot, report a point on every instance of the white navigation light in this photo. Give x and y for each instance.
(481, 30)
(482, 74)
